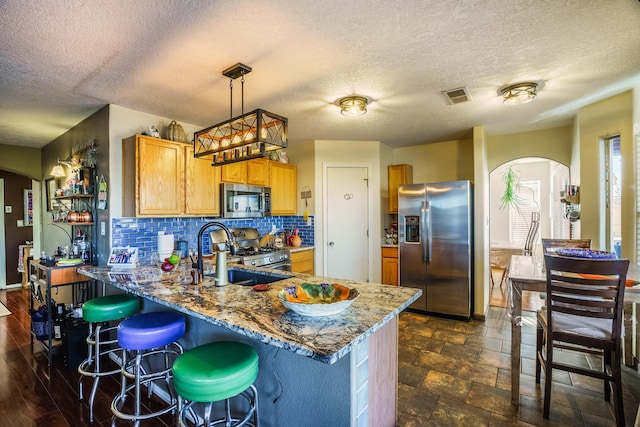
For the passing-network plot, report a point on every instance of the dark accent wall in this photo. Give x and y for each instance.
(94, 127)
(14, 186)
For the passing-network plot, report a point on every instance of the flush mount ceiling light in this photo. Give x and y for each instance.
(519, 93)
(247, 136)
(353, 105)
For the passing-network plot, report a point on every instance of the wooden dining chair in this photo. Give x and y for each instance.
(550, 245)
(583, 313)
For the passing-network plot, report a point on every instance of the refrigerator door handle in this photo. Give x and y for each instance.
(425, 232)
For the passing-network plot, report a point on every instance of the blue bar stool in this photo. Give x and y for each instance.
(101, 340)
(215, 372)
(152, 337)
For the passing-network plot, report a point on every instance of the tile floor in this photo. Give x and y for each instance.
(456, 373)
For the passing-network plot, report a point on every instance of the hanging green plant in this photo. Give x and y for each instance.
(510, 197)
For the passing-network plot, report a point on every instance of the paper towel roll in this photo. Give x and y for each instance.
(165, 245)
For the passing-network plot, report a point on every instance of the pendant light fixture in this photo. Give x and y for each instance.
(243, 137)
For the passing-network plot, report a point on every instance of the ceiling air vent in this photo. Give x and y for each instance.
(457, 95)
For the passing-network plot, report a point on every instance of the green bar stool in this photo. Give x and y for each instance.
(215, 372)
(101, 342)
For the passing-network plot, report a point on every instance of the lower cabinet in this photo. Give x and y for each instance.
(390, 266)
(302, 261)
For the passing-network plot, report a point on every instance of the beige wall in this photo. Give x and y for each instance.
(481, 252)
(554, 144)
(316, 156)
(21, 160)
(612, 116)
(440, 161)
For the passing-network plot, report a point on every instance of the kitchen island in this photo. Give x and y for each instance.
(339, 370)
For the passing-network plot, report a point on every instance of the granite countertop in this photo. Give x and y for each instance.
(261, 315)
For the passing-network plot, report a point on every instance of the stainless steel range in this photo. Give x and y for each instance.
(248, 249)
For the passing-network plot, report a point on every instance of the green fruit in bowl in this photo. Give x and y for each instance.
(174, 259)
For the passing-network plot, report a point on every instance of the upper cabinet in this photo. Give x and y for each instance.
(398, 175)
(284, 184)
(249, 172)
(153, 177)
(162, 178)
(202, 185)
(235, 173)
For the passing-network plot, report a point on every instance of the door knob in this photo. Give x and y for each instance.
(330, 243)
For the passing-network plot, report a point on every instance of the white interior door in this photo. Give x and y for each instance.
(347, 242)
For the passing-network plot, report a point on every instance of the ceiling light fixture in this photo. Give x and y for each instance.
(353, 105)
(244, 137)
(519, 93)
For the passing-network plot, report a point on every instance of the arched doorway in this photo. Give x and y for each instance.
(539, 183)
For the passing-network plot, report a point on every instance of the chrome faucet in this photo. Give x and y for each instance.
(230, 242)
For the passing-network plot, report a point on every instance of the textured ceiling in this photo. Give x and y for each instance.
(64, 59)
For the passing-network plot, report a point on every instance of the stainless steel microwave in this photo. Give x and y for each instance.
(245, 201)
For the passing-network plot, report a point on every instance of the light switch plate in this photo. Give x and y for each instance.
(20, 223)
(8, 209)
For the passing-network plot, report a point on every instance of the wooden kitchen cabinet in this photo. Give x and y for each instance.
(258, 172)
(390, 263)
(249, 172)
(153, 177)
(398, 175)
(283, 179)
(202, 185)
(303, 261)
(235, 173)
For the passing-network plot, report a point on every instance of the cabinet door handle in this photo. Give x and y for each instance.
(331, 243)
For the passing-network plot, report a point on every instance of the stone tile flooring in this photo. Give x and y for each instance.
(456, 373)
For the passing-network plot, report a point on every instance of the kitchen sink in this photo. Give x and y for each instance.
(250, 278)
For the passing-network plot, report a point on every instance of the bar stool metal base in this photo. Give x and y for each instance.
(250, 395)
(99, 312)
(133, 369)
(90, 367)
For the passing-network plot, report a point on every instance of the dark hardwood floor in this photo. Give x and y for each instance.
(33, 394)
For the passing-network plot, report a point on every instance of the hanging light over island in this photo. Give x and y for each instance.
(244, 137)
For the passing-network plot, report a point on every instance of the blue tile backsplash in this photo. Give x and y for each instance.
(143, 232)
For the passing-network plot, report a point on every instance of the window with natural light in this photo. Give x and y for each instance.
(520, 216)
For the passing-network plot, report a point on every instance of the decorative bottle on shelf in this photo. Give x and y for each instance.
(58, 321)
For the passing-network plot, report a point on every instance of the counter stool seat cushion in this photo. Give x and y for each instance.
(215, 371)
(110, 307)
(151, 330)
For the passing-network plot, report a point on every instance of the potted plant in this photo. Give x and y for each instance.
(512, 198)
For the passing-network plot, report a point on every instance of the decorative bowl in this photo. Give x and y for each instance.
(585, 253)
(324, 299)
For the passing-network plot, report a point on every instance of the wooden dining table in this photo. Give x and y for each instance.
(526, 273)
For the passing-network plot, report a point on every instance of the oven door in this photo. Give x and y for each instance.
(282, 266)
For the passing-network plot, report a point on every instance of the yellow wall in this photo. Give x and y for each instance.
(612, 116)
(554, 144)
(21, 160)
(440, 161)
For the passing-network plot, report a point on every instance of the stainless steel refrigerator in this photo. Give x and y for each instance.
(435, 236)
